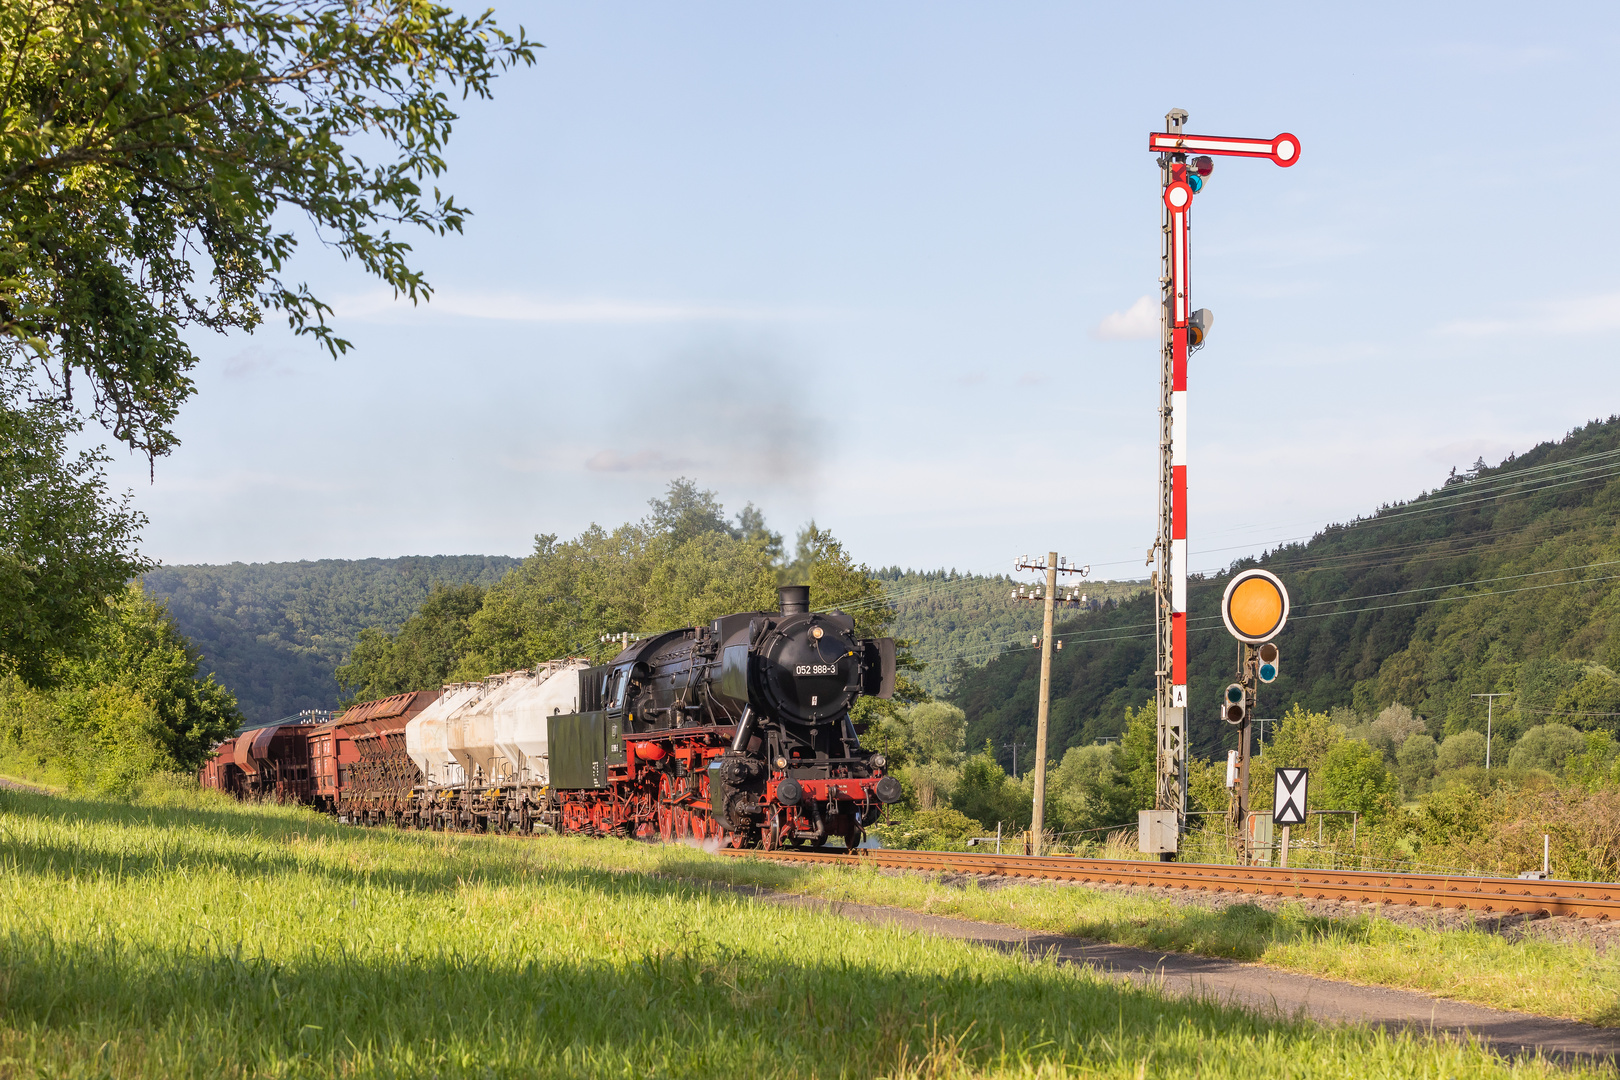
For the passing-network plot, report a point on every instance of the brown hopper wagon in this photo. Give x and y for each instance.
(361, 770)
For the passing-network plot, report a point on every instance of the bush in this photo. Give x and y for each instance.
(131, 708)
(1087, 791)
(986, 793)
(1415, 764)
(930, 784)
(1501, 832)
(929, 830)
(938, 732)
(1546, 747)
(1354, 777)
(1463, 750)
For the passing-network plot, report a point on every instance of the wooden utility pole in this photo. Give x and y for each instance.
(1049, 595)
(1045, 708)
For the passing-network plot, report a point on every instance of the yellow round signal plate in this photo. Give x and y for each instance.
(1255, 606)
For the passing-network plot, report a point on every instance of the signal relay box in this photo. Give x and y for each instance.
(1156, 831)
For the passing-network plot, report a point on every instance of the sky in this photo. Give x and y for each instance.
(893, 268)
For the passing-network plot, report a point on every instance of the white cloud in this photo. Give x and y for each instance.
(1139, 322)
(1574, 315)
(518, 307)
(255, 360)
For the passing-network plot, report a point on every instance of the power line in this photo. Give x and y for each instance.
(1210, 621)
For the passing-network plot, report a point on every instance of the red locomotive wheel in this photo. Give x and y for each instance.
(770, 837)
(666, 824)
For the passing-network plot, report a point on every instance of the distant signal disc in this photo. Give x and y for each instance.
(1255, 606)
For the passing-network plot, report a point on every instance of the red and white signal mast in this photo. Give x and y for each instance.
(1184, 162)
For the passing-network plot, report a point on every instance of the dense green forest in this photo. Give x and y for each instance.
(274, 632)
(1501, 580)
(958, 620)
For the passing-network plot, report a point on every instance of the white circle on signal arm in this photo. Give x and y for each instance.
(1178, 196)
(1285, 149)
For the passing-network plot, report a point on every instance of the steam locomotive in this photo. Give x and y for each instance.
(737, 733)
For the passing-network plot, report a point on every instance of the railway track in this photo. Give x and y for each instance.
(1496, 896)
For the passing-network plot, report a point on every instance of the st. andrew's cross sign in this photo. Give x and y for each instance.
(1288, 805)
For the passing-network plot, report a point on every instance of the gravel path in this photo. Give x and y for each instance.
(1256, 987)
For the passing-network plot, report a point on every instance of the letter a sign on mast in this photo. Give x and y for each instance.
(1185, 162)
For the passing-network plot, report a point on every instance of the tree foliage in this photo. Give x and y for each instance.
(132, 704)
(684, 564)
(427, 650)
(145, 149)
(65, 545)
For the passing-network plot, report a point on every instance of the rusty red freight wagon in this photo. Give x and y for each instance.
(361, 768)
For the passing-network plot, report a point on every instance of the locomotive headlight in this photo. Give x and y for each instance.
(879, 761)
(816, 632)
(781, 763)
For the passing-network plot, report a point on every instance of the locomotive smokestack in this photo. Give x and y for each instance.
(795, 599)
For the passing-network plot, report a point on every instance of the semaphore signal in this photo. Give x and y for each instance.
(1185, 164)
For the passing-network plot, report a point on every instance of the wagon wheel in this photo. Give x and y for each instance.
(853, 836)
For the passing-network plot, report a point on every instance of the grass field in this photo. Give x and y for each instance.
(208, 939)
(1532, 975)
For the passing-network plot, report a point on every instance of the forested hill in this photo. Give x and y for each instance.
(274, 632)
(1502, 580)
(955, 619)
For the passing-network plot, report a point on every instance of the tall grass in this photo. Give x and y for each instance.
(219, 940)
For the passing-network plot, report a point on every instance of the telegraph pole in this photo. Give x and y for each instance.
(1049, 596)
(1184, 163)
(1490, 701)
(1015, 744)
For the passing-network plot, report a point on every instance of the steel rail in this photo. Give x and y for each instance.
(1493, 895)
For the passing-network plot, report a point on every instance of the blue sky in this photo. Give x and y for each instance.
(874, 265)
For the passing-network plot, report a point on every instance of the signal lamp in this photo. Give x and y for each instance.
(1198, 326)
(1236, 707)
(1268, 657)
(1201, 165)
(1195, 182)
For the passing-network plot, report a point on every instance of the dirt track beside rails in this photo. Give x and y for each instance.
(1254, 986)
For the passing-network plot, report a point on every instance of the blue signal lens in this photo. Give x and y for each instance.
(1195, 182)
(1268, 672)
